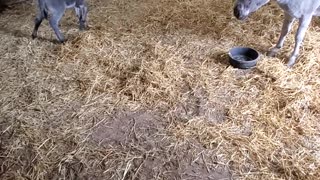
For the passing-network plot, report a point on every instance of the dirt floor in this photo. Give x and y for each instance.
(147, 93)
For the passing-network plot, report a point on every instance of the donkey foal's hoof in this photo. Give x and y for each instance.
(57, 41)
(62, 41)
(82, 28)
(34, 36)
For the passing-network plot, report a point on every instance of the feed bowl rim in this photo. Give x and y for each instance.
(243, 47)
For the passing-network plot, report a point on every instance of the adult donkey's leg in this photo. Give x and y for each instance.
(303, 26)
(286, 27)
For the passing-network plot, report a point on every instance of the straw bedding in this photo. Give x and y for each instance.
(148, 93)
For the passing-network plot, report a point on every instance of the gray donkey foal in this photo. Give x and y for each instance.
(53, 10)
(303, 10)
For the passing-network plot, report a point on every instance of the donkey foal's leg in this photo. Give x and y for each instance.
(286, 27)
(303, 26)
(81, 12)
(54, 23)
(37, 23)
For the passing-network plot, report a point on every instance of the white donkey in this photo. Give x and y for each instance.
(303, 10)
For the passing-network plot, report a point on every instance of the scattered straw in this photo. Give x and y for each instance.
(148, 93)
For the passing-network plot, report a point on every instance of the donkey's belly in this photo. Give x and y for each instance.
(298, 8)
(317, 12)
(70, 3)
(293, 11)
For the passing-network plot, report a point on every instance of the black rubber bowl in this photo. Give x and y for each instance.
(243, 57)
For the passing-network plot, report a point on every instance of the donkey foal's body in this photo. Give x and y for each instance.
(53, 10)
(303, 10)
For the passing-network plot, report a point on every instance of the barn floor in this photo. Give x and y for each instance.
(147, 93)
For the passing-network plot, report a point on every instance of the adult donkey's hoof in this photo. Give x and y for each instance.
(273, 52)
(292, 61)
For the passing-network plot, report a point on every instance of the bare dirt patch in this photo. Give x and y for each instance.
(156, 154)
